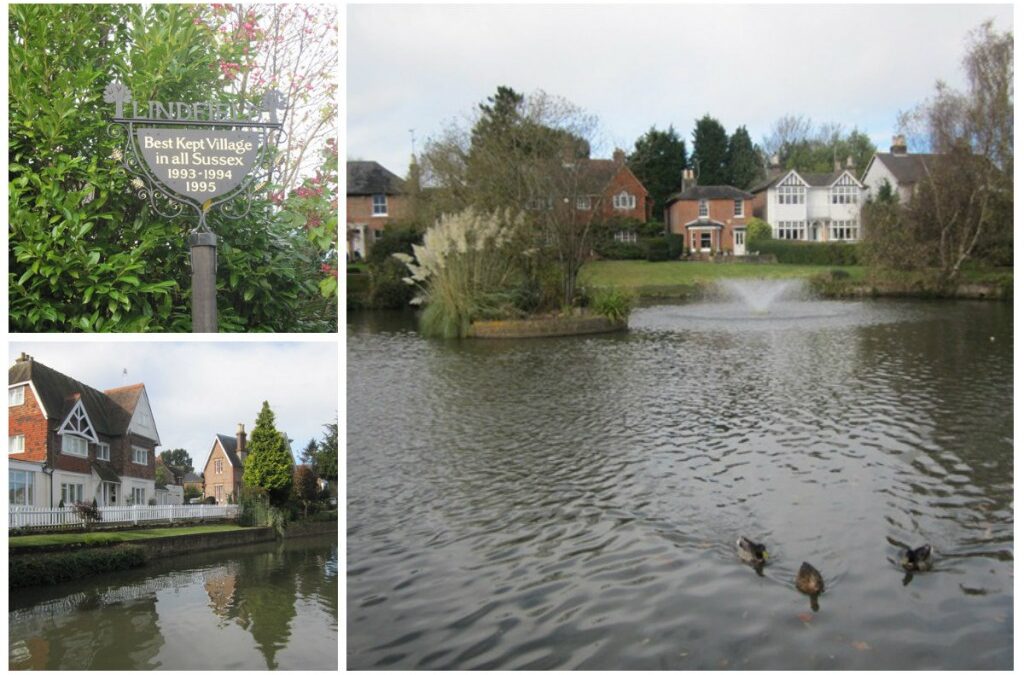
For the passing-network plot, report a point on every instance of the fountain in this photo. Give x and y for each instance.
(757, 304)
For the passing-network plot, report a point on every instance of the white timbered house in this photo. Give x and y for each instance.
(811, 206)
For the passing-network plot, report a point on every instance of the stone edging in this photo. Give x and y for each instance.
(545, 327)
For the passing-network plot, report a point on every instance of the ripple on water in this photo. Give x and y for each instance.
(569, 503)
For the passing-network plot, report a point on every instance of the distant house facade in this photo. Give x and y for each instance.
(611, 190)
(172, 492)
(69, 442)
(900, 169)
(811, 206)
(222, 473)
(374, 198)
(711, 218)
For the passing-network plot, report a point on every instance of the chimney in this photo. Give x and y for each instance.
(240, 437)
(849, 162)
(836, 166)
(23, 358)
(619, 156)
(688, 180)
(899, 145)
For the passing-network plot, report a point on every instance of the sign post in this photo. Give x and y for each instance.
(196, 156)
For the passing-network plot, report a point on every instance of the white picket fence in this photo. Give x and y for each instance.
(42, 517)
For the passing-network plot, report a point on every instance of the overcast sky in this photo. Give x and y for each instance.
(199, 389)
(420, 66)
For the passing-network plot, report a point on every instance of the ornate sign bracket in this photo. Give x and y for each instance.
(195, 156)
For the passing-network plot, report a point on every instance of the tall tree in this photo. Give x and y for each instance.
(178, 458)
(710, 151)
(327, 453)
(268, 464)
(966, 196)
(743, 164)
(658, 159)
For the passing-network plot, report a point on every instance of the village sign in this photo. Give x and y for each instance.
(196, 156)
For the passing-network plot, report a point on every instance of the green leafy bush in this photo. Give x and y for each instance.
(52, 568)
(675, 245)
(810, 253)
(387, 290)
(611, 302)
(618, 250)
(85, 253)
(757, 231)
(657, 249)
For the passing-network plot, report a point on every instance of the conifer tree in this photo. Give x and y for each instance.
(268, 464)
(710, 150)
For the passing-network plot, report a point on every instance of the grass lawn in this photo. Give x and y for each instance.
(640, 275)
(108, 537)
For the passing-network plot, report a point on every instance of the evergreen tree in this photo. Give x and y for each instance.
(327, 454)
(742, 163)
(268, 464)
(657, 160)
(710, 152)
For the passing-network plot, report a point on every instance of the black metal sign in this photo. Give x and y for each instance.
(195, 155)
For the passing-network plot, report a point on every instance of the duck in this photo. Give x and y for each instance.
(809, 581)
(751, 552)
(917, 559)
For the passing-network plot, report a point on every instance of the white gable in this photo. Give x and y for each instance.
(142, 422)
(78, 422)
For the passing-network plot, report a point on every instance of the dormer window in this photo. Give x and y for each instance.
(78, 422)
(16, 396)
(624, 201)
(380, 205)
(702, 208)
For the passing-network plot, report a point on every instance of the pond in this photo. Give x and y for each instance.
(258, 607)
(575, 502)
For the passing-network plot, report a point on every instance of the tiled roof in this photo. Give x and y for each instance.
(908, 169)
(230, 445)
(59, 393)
(709, 192)
(370, 178)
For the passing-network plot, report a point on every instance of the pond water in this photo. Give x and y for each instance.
(258, 607)
(575, 502)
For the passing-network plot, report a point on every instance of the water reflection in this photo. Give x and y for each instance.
(573, 503)
(256, 607)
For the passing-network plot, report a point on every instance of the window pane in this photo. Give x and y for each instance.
(16, 396)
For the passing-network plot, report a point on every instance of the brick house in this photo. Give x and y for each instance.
(711, 218)
(374, 197)
(222, 473)
(72, 443)
(612, 190)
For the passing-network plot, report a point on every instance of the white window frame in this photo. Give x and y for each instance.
(74, 452)
(139, 496)
(68, 492)
(16, 444)
(218, 466)
(26, 480)
(136, 450)
(103, 451)
(624, 201)
(737, 208)
(16, 396)
(380, 209)
(583, 203)
(792, 230)
(739, 237)
(700, 240)
(626, 236)
(702, 208)
(218, 492)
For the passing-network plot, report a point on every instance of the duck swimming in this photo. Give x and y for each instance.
(751, 552)
(809, 581)
(917, 559)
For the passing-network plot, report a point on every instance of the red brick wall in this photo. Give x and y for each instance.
(124, 463)
(761, 204)
(27, 419)
(721, 210)
(625, 180)
(229, 479)
(359, 209)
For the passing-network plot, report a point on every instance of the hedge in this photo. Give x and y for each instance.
(54, 568)
(809, 253)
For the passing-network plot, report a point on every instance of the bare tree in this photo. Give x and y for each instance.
(967, 191)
